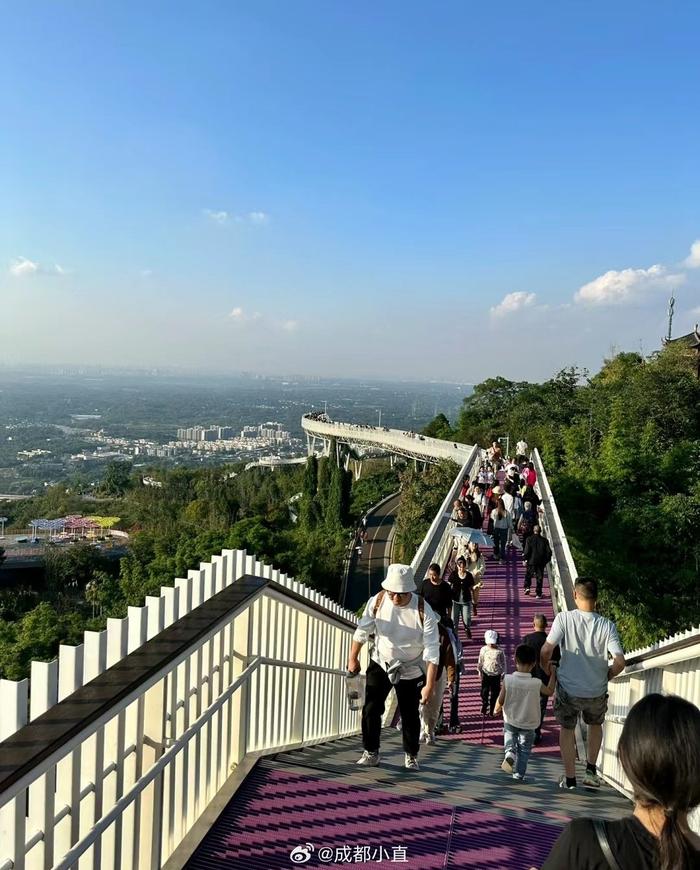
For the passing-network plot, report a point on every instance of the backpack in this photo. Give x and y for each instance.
(457, 648)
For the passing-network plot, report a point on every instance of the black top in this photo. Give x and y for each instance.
(537, 551)
(536, 640)
(439, 597)
(461, 586)
(632, 845)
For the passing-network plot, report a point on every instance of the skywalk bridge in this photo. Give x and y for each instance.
(408, 444)
(209, 729)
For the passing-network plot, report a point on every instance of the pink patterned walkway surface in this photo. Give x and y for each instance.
(504, 606)
(280, 817)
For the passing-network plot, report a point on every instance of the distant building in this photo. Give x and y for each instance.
(226, 433)
(210, 434)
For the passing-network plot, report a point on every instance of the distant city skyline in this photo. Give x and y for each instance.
(395, 192)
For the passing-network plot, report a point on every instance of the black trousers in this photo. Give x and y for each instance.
(490, 689)
(539, 578)
(408, 695)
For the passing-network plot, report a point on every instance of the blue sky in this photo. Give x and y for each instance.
(396, 188)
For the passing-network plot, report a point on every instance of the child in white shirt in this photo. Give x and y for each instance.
(520, 701)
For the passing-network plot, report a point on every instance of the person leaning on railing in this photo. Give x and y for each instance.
(660, 752)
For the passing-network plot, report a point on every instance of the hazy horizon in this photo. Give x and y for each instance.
(314, 188)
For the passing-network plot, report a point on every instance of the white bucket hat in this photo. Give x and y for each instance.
(399, 578)
(491, 636)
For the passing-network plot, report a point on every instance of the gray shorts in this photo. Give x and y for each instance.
(567, 707)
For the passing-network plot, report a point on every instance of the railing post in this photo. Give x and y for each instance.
(241, 647)
(42, 793)
(149, 852)
(13, 701)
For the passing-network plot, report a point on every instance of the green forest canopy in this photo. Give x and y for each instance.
(622, 453)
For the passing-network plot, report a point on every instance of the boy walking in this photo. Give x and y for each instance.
(520, 701)
(491, 665)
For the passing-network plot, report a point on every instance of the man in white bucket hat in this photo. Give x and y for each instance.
(405, 655)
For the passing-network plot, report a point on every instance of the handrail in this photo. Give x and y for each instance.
(562, 569)
(430, 542)
(38, 746)
(71, 857)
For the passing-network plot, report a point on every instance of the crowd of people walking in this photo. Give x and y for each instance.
(415, 648)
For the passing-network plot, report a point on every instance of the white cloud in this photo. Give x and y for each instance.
(21, 266)
(692, 261)
(258, 217)
(218, 217)
(290, 325)
(239, 316)
(695, 310)
(626, 285)
(513, 302)
(146, 273)
(224, 217)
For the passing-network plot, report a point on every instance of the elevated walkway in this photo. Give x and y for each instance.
(408, 444)
(460, 810)
(129, 748)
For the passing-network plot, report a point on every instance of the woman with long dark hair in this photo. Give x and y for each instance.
(660, 752)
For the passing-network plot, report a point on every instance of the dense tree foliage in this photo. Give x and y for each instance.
(422, 493)
(622, 452)
(175, 526)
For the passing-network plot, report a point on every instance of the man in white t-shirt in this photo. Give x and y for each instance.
(586, 639)
(521, 449)
(405, 656)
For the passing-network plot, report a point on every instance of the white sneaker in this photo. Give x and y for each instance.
(518, 776)
(430, 739)
(368, 759)
(410, 762)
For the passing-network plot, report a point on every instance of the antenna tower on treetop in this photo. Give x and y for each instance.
(671, 305)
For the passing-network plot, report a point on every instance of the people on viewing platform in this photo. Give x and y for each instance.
(521, 450)
(526, 523)
(536, 556)
(495, 455)
(477, 568)
(491, 665)
(659, 750)
(438, 594)
(446, 676)
(586, 639)
(529, 474)
(519, 699)
(536, 639)
(405, 654)
(502, 527)
(461, 583)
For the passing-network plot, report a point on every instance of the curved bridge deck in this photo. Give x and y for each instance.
(460, 810)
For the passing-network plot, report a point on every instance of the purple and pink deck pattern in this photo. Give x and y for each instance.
(504, 606)
(277, 810)
(280, 814)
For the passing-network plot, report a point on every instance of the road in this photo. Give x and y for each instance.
(369, 569)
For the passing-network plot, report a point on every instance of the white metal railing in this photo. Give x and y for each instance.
(671, 666)
(128, 787)
(561, 571)
(413, 446)
(431, 542)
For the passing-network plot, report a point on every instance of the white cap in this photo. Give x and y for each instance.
(491, 636)
(399, 578)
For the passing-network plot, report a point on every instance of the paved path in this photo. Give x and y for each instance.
(370, 568)
(459, 811)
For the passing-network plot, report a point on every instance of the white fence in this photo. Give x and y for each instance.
(126, 789)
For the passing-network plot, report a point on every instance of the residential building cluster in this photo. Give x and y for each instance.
(270, 432)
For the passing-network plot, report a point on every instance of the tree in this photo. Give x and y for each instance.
(439, 427)
(117, 478)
